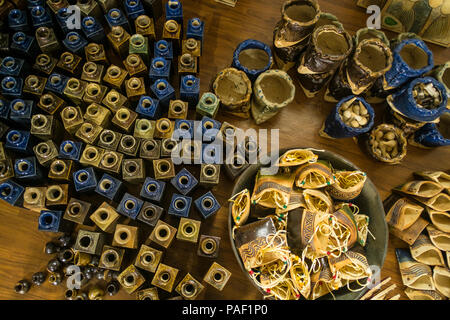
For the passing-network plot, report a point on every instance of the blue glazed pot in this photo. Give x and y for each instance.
(405, 103)
(429, 136)
(335, 126)
(401, 72)
(251, 44)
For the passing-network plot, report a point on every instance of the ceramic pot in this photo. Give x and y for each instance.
(368, 33)
(337, 126)
(234, 89)
(311, 84)
(411, 59)
(273, 90)
(253, 57)
(371, 60)
(292, 32)
(442, 74)
(386, 143)
(326, 18)
(328, 48)
(433, 135)
(408, 126)
(408, 104)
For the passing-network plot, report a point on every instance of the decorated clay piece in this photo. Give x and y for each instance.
(351, 117)
(328, 48)
(387, 143)
(314, 175)
(372, 59)
(253, 57)
(348, 185)
(408, 126)
(369, 33)
(413, 294)
(415, 275)
(234, 90)
(433, 135)
(423, 99)
(424, 251)
(424, 189)
(295, 157)
(437, 176)
(292, 32)
(441, 278)
(317, 200)
(440, 239)
(273, 90)
(442, 74)
(326, 18)
(411, 59)
(440, 219)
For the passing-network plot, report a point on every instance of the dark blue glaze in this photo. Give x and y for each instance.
(109, 187)
(207, 204)
(130, 206)
(400, 71)
(50, 221)
(159, 69)
(163, 49)
(153, 189)
(85, 180)
(190, 90)
(251, 44)
(11, 192)
(133, 9)
(180, 205)
(184, 181)
(163, 91)
(148, 107)
(93, 30)
(70, 150)
(335, 126)
(405, 103)
(429, 136)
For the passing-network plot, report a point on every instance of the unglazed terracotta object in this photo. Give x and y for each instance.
(292, 32)
(273, 90)
(371, 59)
(234, 90)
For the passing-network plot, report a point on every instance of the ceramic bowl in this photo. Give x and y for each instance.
(369, 203)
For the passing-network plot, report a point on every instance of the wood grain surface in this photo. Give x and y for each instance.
(21, 245)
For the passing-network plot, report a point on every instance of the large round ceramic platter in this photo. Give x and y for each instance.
(368, 201)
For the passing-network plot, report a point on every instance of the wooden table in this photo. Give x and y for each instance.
(21, 245)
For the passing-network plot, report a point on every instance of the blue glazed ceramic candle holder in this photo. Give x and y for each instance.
(335, 126)
(403, 70)
(248, 64)
(404, 102)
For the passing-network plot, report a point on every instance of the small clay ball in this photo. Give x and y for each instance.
(51, 248)
(38, 278)
(64, 241)
(54, 265)
(22, 287)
